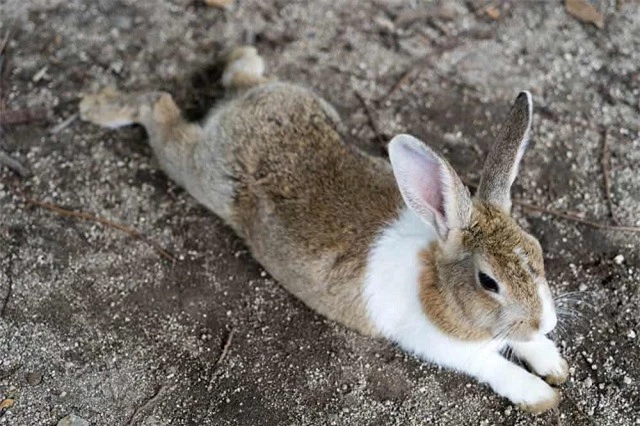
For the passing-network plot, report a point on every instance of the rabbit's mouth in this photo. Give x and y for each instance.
(522, 330)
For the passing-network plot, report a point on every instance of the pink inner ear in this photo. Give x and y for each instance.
(430, 185)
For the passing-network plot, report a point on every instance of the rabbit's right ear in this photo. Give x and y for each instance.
(429, 185)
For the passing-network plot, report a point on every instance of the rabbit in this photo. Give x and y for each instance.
(395, 249)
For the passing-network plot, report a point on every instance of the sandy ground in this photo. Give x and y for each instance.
(98, 324)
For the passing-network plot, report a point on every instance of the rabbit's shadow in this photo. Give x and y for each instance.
(197, 92)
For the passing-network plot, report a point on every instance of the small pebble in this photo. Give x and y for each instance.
(73, 420)
(631, 334)
(34, 378)
(618, 259)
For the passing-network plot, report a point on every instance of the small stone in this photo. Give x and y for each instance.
(627, 380)
(588, 382)
(123, 22)
(507, 411)
(73, 420)
(618, 259)
(631, 334)
(218, 3)
(40, 74)
(493, 12)
(34, 378)
(152, 421)
(582, 287)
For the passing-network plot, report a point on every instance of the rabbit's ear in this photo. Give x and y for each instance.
(501, 166)
(429, 186)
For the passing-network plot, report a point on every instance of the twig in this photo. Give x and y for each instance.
(605, 162)
(5, 40)
(416, 66)
(578, 408)
(22, 116)
(574, 217)
(60, 127)
(372, 122)
(13, 164)
(153, 400)
(410, 16)
(7, 296)
(86, 216)
(225, 349)
(566, 215)
(402, 81)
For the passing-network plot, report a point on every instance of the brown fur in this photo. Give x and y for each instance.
(443, 305)
(293, 168)
(450, 295)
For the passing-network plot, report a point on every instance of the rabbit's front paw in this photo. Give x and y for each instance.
(527, 391)
(544, 358)
(557, 373)
(537, 396)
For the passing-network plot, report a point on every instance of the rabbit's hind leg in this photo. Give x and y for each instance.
(244, 69)
(170, 136)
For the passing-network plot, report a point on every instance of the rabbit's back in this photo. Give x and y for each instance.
(308, 206)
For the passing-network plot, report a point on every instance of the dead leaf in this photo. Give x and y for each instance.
(6, 404)
(585, 12)
(408, 17)
(219, 3)
(492, 12)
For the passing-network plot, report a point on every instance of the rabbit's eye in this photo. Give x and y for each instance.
(487, 282)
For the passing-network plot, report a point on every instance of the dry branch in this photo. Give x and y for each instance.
(370, 117)
(23, 116)
(225, 349)
(606, 170)
(153, 400)
(89, 217)
(566, 215)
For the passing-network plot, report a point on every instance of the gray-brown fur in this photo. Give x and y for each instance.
(308, 205)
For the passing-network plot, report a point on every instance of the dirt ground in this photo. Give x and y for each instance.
(97, 324)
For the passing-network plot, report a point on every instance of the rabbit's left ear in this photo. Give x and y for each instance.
(501, 165)
(429, 185)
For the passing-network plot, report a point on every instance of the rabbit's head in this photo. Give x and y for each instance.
(484, 276)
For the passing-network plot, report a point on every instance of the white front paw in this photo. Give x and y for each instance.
(538, 396)
(545, 359)
(529, 392)
(557, 373)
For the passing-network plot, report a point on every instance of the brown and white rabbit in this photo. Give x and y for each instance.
(398, 250)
